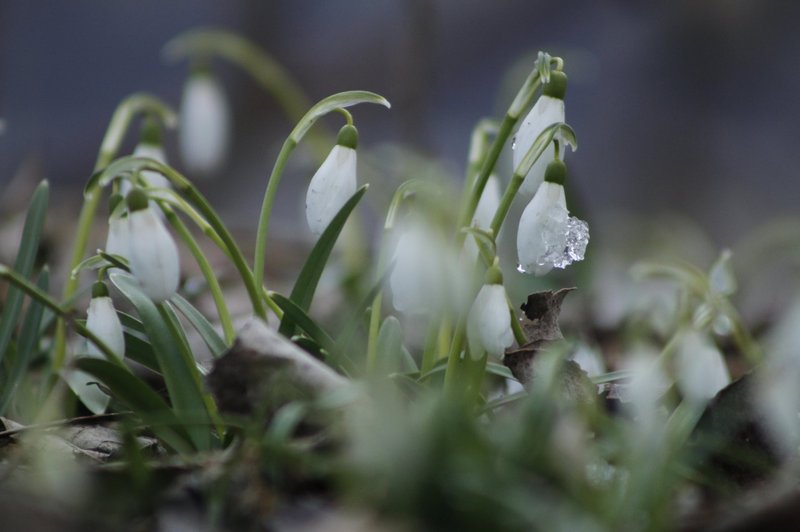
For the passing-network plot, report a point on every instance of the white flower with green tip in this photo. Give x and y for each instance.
(153, 255)
(205, 123)
(489, 322)
(333, 183)
(548, 110)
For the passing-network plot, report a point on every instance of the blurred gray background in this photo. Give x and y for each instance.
(688, 105)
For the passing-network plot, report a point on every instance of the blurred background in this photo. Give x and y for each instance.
(688, 106)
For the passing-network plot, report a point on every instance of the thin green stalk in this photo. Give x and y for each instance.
(374, 329)
(119, 124)
(429, 354)
(266, 209)
(207, 271)
(516, 327)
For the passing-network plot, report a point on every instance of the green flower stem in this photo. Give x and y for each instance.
(505, 202)
(201, 203)
(516, 327)
(430, 352)
(66, 315)
(207, 271)
(475, 372)
(374, 330)
(117, 127)
(454, 356)
(489, 162)
(266, 209)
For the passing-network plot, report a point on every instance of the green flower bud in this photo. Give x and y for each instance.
(348, 137)
(557, 86)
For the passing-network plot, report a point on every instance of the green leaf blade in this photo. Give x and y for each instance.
(307, 281)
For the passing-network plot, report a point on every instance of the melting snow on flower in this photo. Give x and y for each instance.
(548, 237)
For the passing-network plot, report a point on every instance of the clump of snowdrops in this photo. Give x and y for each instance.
(412, 419)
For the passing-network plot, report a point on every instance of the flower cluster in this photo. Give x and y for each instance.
(548, 237)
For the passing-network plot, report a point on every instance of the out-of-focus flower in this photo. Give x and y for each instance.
(548, 110)
(489, 319)
(205, 124)
(426, 274)
(484, 212)
(333, 183)
(700, 370)
(548, 236)
(153, 255)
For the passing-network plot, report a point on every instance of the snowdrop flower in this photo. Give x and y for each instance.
(103, 322)
(426, 273)
(205, 124)
(117, 239)
(489, 321)
(548, 110)
(153, 256)
(548, 237)
(700, 370)
(333, 183)
(484, 212)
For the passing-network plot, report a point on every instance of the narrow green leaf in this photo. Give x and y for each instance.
(180, 376)
(26, 258)
(306, 284)
(28, 341)
(500, 370)
(142, 400)
(344, 339)
(331, 103)
(390, 348)
(210, 335)
(299, 317)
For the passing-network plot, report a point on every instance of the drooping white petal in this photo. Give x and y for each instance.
(102, 320)
(489, 322)
(205, 124)
(153, 255)
(700, 369)
(117, 241)
(332, 185)
(546, 111)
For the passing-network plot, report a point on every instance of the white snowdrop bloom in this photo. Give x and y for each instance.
(205, 123)
(548, 110)
(700, 370)
(425, 273)
(484, 212)
(103, 322)
(489, 321)
(117, 241)
(777, 393)
(153, 254)
(548, 236)
(333, 183)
